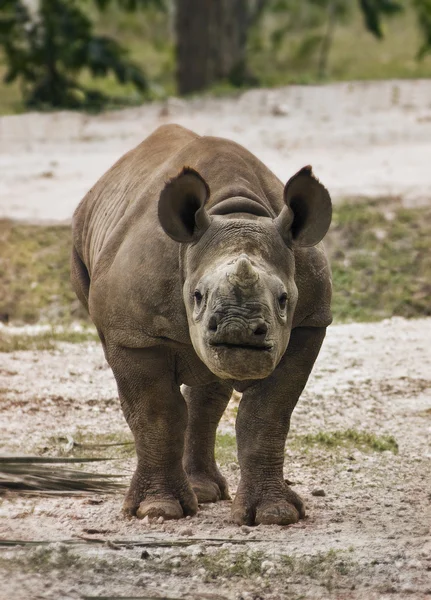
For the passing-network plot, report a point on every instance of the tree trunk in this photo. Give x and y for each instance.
(211, 42)
(328, 38)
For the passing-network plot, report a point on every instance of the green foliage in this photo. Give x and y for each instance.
(46, 49)
(423, 11)
(316, 21)
(374, 10)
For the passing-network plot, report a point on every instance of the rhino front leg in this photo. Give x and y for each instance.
(262, 426)
(206, 404)
(157, 415)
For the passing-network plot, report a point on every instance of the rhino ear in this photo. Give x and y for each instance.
(181, 208)
(306, 217)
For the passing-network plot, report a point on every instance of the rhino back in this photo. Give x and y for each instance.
(102, 209)
(133, 265)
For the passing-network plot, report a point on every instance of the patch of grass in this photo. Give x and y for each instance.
(379, 253)
(380, 259)
(327, 567)
(46, 340)
(60, 558)
(35, 274)
(362, 440)
(225, 448)
(224, 563)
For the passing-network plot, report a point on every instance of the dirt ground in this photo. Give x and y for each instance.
(368, 537)
(359, 447)
(363, 139)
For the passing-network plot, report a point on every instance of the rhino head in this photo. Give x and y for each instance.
(238, 270)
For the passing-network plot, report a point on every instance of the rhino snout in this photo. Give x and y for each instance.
(238, 332)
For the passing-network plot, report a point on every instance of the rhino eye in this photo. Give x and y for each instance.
(198, 297)
(283, 301)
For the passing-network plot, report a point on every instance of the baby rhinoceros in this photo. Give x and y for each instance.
(199, 269)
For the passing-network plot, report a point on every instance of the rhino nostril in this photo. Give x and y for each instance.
(261, 329)
(212, 324)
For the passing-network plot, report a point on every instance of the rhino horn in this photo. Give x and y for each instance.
(243, 273)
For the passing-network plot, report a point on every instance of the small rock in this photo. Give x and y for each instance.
(279, 110)
(266, 566)
(318, 492)
(196, 550)
(146, 520)
(160, 520)
(414, 564)
(245, 529)
(145, 554)
(186, 531)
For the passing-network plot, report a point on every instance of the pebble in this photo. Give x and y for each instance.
(196, 550)
(414, 564)
(160, 520)
(266, 566)
(279, 110)
(318, 492)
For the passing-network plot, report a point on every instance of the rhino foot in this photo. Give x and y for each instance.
(170, 501)
(269, 507)
(168, 509)
(209, 488)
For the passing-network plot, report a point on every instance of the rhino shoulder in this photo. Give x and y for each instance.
(314, 282)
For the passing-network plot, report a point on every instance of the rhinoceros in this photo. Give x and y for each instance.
(203, 274)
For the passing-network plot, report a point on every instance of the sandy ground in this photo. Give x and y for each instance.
(363, 139)
(367, 538)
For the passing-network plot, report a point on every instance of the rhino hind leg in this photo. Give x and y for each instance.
(157, 415)
(206, 405)
(262, 425)
(80, 278)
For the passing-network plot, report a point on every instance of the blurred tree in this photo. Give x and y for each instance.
(423, 10)
(211, 42)
(318, 20)
(48, 43)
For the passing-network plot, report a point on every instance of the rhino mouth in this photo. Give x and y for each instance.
(252, 347)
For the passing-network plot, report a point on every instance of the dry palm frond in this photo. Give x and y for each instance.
(72, 443)
(130, 598)
(143, 543)
(40, 475)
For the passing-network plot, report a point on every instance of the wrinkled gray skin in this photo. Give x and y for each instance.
(200, 269)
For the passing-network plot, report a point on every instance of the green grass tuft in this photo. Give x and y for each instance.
(35, 274)
(362, 440)
(225, 448)
(224, 563)
(46, 340)
(381, 264)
